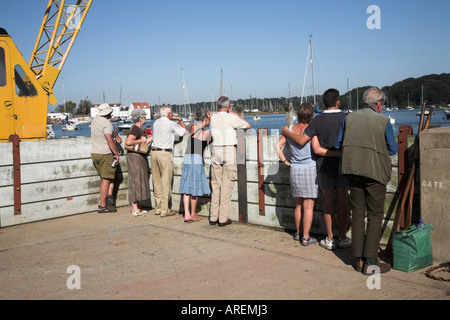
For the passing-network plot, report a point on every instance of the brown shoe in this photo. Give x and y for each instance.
(168, 214)
(212, 222)
(359, 265)
(225, 223)
(383, 268)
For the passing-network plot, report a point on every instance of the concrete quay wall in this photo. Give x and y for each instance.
(57, 179)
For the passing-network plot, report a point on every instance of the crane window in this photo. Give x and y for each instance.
(2, 68)
(24, 87)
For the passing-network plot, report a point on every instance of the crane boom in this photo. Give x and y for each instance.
(58, 32)
(26, 89)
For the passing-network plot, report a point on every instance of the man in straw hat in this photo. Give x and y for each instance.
(104, 152)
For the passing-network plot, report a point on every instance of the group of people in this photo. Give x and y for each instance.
(331, 154)
(193, 184)
(345, 157)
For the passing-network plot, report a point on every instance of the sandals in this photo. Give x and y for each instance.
(307, 242)
(139, 213)
(297, 236)
(102, 209)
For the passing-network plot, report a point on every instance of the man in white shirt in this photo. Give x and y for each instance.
(164, 131)
(223, 159)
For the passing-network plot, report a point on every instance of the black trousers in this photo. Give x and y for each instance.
(366, 196)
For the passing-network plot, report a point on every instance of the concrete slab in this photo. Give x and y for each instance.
(125, 257)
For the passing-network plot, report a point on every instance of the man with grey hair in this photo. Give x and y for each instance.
(367, 142)
(223, 159)
(164, 131)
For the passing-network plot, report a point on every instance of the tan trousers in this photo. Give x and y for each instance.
(223, 174)
(162, 172)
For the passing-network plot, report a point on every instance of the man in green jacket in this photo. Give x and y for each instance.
(367, 142)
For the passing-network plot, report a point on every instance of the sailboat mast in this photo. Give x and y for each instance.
(64, 96)
(185, 96)
(221, 83)
(306, 72)
(312, 68)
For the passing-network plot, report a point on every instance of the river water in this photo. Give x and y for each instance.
(274, 123)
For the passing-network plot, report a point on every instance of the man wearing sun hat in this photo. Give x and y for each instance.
(104, 151)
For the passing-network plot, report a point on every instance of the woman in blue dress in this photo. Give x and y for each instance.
(193, 182)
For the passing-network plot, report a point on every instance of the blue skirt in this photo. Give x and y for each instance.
(193, 177)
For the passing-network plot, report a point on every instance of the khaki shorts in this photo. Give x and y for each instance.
(103, 162)
(332, 181)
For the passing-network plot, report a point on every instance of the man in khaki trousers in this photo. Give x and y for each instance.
(223, 159)
(164, 130)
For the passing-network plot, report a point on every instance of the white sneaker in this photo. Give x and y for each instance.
(344, 243)
(328, 244)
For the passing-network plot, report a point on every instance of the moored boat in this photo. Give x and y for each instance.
(50, 132)
(447, 113)
(392, 120)
(125, 125)
(69, 126)
(427, 112)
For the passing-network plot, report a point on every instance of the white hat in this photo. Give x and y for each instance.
(104, 109)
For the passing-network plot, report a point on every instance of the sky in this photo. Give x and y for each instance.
(138, 50)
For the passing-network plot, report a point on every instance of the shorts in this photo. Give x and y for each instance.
(332, 181)
(304, 182)
(103, 162)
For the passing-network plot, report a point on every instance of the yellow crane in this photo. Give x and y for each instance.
(26, 89)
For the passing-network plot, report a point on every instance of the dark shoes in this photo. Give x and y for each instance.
(110, 206)
(221, 224)
(368, 269)
(225, 223)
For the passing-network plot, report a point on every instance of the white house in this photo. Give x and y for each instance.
(142, 105)
(60, 116)
(123, 112)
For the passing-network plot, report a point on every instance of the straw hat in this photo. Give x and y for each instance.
(104, 109)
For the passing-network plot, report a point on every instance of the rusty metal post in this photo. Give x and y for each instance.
(16, 173)
(260, 147)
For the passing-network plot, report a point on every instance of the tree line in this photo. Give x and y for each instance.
(433, 89)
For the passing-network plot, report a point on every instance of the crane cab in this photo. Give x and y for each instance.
(23, 101)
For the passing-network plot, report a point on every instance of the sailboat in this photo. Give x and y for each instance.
(392, 120)
(447, 112)
(310, 51)
(186, 118)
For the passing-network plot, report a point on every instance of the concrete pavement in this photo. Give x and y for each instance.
(117, 256)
